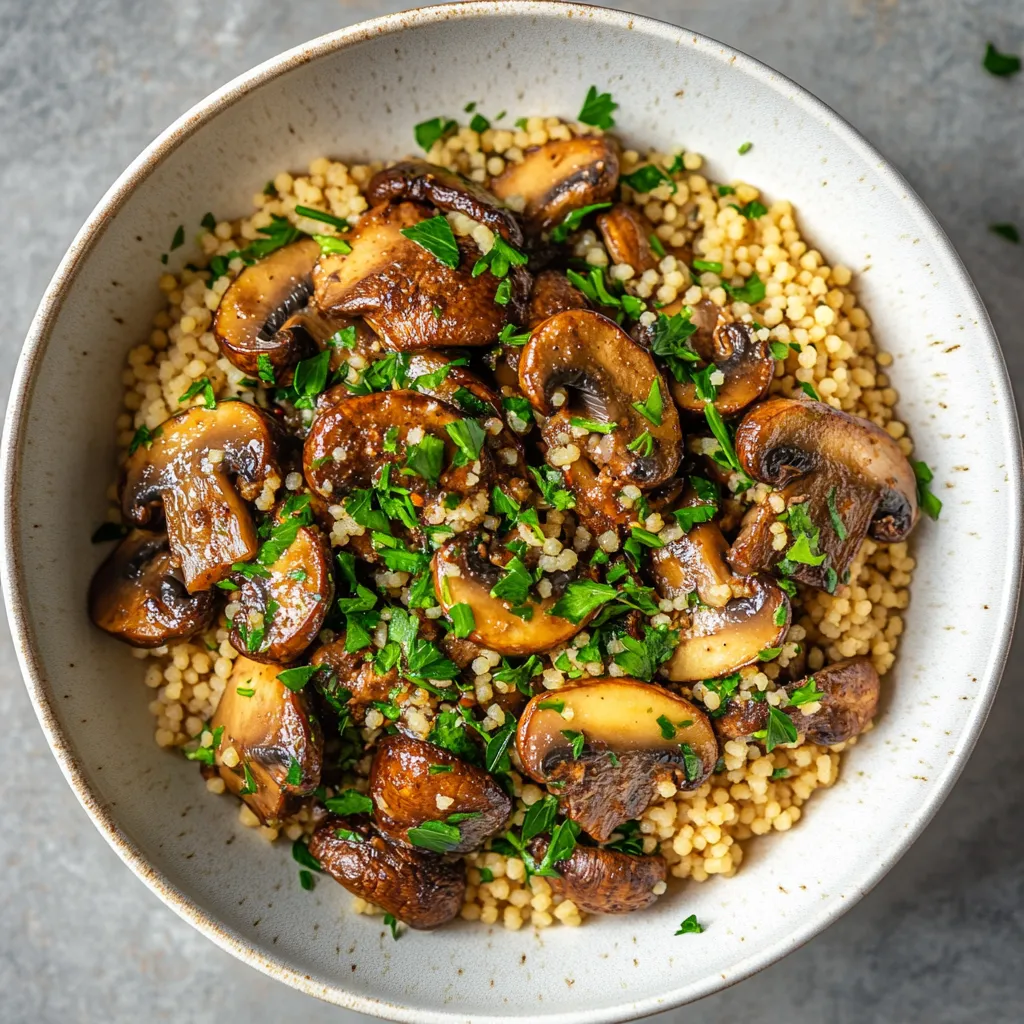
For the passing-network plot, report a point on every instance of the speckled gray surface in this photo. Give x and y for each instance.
(84, 86)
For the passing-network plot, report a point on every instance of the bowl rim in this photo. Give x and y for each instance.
(38, 338)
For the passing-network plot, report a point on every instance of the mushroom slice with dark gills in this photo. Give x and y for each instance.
(603, 881)
(835, 704)
(603, 747)
(202, 468)
(611, 382)
(729, 620)
(507, 616)
(841, 478)
(347, 450)
(420, 888)
(270, 749)
(427, 183)
(561, 176)
(416, 784)
(409, 296)
(744, 360)
(261, 313)
(627, 237)
(286, 593)
(139, 597)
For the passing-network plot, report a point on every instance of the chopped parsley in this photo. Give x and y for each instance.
(1007, 231)
(390, 921)
(652, 408)
(752, 291)
(930, 505)
(573, 219)
(576, 740)
(325, 218)
(593, 425)
(642, 444)
(837, 520)
(780, 729)
(463, 622)
(200, 387)
(745, 147)
(469, 437)
(597, 109)
(582, 598)
(436, 236)
(429, 132)
(752, 210)
(691, 926)
(647, 178)
(808, 693)
(349, 802)
(1000, 64)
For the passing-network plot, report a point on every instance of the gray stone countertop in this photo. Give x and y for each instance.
(84, 86)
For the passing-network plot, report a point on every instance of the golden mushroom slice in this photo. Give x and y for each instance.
(415, 784)
(744, 360)
(270, 751)
(411, 298)
(462, 576)
(603, 747)
(259, 313)
(627, 237)
(612, 381)
(202, 467)
(841, 478)
(552, 293)
(422, 889)
(836, 703)
(561, 176)
(282, 603)
(425, 182)
(603, 881)
(139, 597)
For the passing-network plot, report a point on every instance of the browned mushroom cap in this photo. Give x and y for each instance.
(256, 314)
(419, 888)
(590, 354)
(653, 734)
(140, 598)
(427, 183)
(552, 293)
(745, 362)
(282, 605)
(627, 237)
(561, 176)
(463, 576)
(412, 781)
(271, 750)
(848, 702)
(203, 466)
(825, 460)
(406, 294)
(357, 675)
(601, 881)
(344, 450)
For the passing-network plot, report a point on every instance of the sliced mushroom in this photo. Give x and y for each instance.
(627, 237)
(271, 750)
(139, 597)
(419, 888)
(344, 450)
(203, 467)
(406, 294)
(412, 782)
(745, 362)
(561, 176)
(827, 461)
(849, 701)
(590, 354)
(635, 735)
(602, 881)
(282, 606)
(357, 675)
(552, 293)
(256, 315)
(462, 575)
(424, 182)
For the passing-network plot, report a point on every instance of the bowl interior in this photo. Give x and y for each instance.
(358, 94)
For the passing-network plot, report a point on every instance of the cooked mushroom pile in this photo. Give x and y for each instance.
(497, 549)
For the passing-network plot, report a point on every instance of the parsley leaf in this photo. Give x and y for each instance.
(463, 622)
(469, 437)
(1000, 64)
(428, 132)
(646, 179)
(597, 109)
(436, 236)
(652, 409)
(425, 458)
(573, 219)
(691, 926)
(752, 291)
(780, 729)
(349, 802)
(581, 598)
(197, 387)
(930, 505)
(436, 836)
(1007, 231)
(808, 693)
(837, 520)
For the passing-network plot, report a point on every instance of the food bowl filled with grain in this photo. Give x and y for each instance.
(512, 523)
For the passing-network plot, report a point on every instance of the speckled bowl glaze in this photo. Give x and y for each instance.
(358, 93)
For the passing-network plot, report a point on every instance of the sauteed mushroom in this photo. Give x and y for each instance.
(202, 468)
(424, 182)
(271, 749)
(406, 294)
(627, 237)
(561, 176)
(825, 461)
(356, 674)
(602, 881)
(848, 701)
(412, 782)
(653, 734)
(419, 888)
(552, 293)
(139, 597)
(612, 376)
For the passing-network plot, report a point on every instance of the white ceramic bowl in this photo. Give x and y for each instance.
(358, 93)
